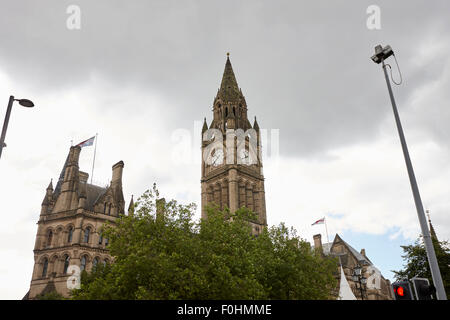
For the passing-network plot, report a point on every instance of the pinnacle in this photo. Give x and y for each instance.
(229, 89)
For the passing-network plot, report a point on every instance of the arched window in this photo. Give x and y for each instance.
(49, 238)
(95, 262)
(87, 232)
(105, 262)
(104, 208)
(66, 263)
(83, 263)
(109, 209)
(100, 239)
(226, 112)
(234, 111)
(70, 235)
(45, 268)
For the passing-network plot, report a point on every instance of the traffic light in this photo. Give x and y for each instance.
(402, 290)
(423, 289)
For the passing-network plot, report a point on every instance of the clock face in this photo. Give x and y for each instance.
(217, 157)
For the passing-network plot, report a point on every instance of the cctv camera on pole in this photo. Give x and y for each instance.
(381, 54)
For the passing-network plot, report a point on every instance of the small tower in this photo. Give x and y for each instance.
(69, 226)
(231, 166)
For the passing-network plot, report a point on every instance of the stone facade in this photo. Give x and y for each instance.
(377, 288)
(229, 178)
(69, 226)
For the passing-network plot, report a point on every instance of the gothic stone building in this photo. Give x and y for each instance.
(349, 258)
(69, 226)
(232, 174)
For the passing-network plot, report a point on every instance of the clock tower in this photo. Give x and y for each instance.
(232, 173)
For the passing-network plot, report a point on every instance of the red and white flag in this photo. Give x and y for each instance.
(86, 143)
(320, 221)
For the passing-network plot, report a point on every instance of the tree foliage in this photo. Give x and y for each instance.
(160, 252)
(52, 295)
(416, 262)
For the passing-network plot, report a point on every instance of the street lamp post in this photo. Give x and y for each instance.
(381, 54)
(23, 102)
(357, 277)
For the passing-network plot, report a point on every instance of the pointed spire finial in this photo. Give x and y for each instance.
(432, 231)
(255, 124)
(205, 126)
(131, 206)
(229, 89)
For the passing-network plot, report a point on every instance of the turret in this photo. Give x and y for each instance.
(47, 201)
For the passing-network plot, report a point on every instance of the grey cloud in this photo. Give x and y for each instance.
(303, 67)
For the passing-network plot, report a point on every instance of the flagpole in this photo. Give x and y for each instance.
(326, 229)
(93, 161)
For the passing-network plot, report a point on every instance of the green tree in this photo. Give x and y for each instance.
(160, 252)
(52, 295)
(416, 262)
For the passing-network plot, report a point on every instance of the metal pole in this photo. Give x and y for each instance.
(326, 229)
(5, 123)
(93, 161)
(435, 273)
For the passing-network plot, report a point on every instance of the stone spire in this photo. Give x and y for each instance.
(255, 125)
(67, 197)
(131, 207)
(205, 126)
(230, 108)
(61, 177)
(229, 89)
(50, 185)
(432, 232)
(48, 197)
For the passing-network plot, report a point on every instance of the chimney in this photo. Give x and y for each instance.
(117, 170)
(318, 242)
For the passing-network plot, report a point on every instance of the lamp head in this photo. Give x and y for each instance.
(26, 103)
(382, 53)
(357, 270)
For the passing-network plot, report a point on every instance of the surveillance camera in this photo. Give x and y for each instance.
(382, 53)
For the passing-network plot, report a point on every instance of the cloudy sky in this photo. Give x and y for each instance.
(143, 74)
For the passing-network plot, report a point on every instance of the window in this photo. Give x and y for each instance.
(66, 263)
(109, 209)
(95, 262)
(104, 208)
(105, 262)
(100, 240)
(44, 268)
(106, 241)
(70, 235)
(87, 232)
(83, 263)
(49, 238)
